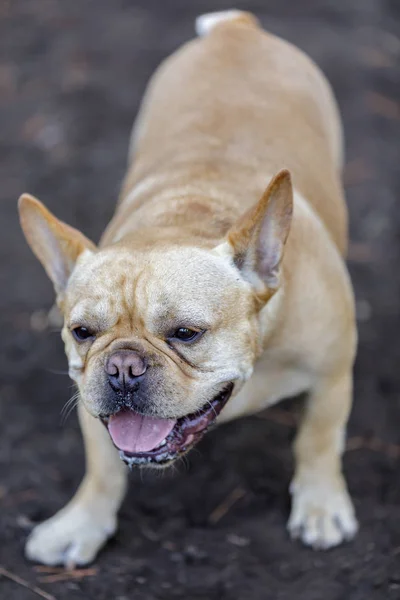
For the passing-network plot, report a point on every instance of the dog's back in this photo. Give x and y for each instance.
(223, 114)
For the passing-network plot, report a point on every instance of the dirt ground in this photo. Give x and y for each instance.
(71, 77)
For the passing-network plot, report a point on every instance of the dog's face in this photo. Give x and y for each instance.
(158, 336)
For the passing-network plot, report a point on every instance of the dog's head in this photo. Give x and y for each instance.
(159, 335)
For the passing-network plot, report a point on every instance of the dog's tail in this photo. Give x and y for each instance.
(206, 23)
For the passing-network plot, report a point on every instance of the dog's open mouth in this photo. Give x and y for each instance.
(144, 440)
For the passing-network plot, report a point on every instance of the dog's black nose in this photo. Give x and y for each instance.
(124, 368)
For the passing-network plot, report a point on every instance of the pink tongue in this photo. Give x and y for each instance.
(134, 433)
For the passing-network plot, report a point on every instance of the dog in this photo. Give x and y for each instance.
(218, 288)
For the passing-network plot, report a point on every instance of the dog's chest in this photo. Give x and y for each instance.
(270, 383)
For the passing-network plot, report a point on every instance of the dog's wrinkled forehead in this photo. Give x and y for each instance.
(183, 284)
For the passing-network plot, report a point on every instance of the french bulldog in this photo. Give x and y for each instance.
(218, 288)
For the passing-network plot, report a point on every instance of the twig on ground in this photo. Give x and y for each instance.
(67, 575)
(359, 252)
(390, 450)
(376, 58)
(47, 569)
(357, 171)
(33, 588)
(18, 497)
(222, 509)
(374, 444)
(383, 106)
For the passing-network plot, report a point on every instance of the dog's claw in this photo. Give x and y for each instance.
(322, 516)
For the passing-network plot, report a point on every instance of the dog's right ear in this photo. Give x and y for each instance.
(56, 244)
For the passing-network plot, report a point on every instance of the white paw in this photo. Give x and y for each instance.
(72, 537)
(322, 514)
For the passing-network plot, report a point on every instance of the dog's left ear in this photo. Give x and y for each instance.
(56, 244)
(258, 238)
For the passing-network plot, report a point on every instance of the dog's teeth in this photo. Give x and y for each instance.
(163, 442)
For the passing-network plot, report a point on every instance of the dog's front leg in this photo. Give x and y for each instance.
(322, 512)
(76, 533)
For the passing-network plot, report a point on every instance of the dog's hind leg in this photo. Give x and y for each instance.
(76, 533)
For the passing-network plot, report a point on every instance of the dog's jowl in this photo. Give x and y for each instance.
(218, 288)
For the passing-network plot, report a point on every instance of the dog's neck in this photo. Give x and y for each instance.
(196, 200)
(199, 219)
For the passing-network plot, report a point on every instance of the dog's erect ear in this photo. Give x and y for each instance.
(259, 237)
(55, 244)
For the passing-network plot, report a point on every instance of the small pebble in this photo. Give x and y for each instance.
(237, 540)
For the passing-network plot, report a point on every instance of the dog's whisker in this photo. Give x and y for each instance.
(185, 461)
(57, 371)
(68, 412)
(69, 406)
(213, 408)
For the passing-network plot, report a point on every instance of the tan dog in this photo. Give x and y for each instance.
(202, 299)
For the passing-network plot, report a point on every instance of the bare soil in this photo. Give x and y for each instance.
(71, 78)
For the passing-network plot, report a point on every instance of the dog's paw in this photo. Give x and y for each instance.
(322, 515)
(72, 537)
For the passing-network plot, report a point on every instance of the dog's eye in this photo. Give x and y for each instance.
(81, 334)
(184, 334)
